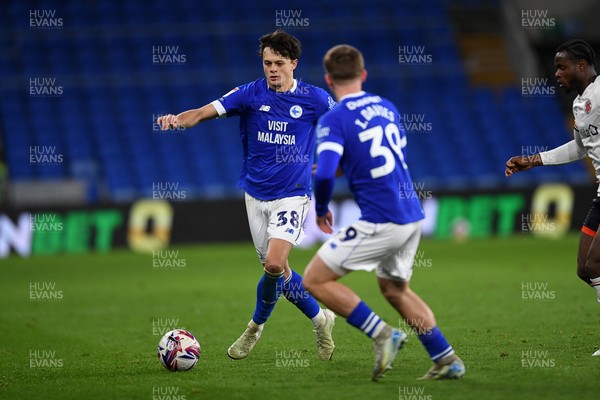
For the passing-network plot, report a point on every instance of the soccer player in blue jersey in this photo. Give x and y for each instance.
(362, 135)
(278, 116)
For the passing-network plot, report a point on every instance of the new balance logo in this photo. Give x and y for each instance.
(264, 108)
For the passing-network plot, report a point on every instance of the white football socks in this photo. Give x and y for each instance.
(595, 283)
(319, 318)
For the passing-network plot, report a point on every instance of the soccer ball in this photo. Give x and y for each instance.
(178, 350)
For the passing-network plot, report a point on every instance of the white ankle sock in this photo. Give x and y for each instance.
(319, 318)
(595, 283)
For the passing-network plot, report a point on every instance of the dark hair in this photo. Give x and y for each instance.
(579, 49)
(343, 62)
(281, 43)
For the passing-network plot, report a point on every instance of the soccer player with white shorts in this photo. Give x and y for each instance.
(575, 61)
(362, 135)
(278, 116)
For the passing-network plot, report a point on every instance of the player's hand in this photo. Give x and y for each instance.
(168, 121)
(522, 163)
(325, 223)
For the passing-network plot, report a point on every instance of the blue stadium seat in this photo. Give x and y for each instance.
(113, 92)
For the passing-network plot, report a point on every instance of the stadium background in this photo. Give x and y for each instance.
(112, 232)
(84, 82)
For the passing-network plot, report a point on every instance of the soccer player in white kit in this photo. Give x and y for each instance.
(278, 116)
(575, 61)
(362, 135)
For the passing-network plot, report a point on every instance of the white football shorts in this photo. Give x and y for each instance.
(280, 219)
(388, 248)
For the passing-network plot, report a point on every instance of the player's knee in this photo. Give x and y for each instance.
(273, 266)
(391, 290)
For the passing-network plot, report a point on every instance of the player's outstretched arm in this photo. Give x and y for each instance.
(522, 163)
(568, 152)
(187, 119)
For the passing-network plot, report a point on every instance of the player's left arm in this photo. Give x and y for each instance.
(338, 172)
(325, 104)
(330, 154)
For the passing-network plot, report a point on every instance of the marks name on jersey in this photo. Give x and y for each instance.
(370, 112)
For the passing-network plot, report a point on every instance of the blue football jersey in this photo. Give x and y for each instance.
(278, 135)
(364, 129)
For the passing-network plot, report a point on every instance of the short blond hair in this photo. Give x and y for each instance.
(344, 62)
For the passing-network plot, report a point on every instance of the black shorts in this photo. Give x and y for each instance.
(590, 225)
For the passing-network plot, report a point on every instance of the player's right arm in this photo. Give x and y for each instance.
(187, 119)
(231, 103)
(564, 154)
(522, 163)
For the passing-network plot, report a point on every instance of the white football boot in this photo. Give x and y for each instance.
(325, 343)
(245, 343)
(386, 347)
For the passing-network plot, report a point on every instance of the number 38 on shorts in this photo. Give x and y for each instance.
(280, 219)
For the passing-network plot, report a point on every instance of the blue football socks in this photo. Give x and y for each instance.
(436, 344)
(267, 294)
(363, 318)
(294, 291)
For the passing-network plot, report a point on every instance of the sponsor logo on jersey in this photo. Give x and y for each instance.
(296, 111)
(591, 130)
(265, 108)
(322, 131)
(276, 138)
(330, 102)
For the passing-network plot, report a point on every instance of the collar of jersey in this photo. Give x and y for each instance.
(357, 94)
(294, 86)
(589, 87)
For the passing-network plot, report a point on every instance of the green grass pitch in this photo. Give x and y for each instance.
(514, 310)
